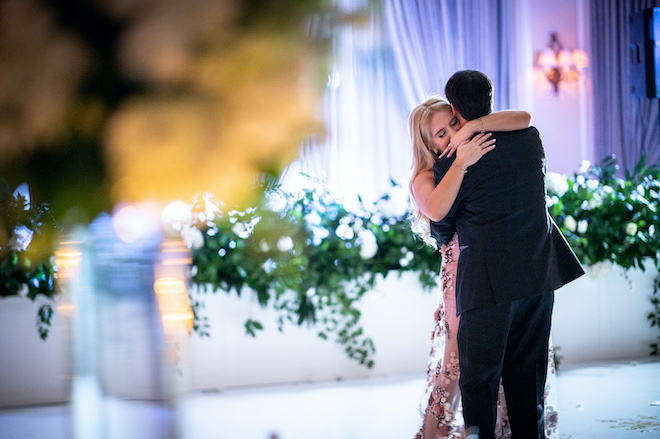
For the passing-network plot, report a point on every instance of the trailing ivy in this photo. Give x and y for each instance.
(310, 259)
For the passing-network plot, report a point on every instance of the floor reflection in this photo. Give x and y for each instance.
(615, 400)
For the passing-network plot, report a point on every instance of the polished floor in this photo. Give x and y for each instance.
(613, 400)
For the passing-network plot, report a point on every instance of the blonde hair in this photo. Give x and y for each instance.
(419, 129)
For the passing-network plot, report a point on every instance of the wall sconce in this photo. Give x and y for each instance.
(559, 64)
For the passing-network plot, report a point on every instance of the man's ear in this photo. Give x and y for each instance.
(457, 115)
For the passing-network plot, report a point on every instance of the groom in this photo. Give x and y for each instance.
(512, 258)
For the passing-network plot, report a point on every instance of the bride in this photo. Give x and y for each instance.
(432, 126)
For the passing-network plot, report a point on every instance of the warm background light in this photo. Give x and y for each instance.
(559, 64)
(171, 290)
(68, 259)
(136, 101)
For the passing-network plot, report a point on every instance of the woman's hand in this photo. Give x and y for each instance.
(462, 135)
(436, 201)
(469, 153)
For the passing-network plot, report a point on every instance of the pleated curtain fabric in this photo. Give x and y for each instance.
(626, 126)
(431, 39)
(383, 68)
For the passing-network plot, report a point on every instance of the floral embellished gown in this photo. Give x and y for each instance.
(441, 407)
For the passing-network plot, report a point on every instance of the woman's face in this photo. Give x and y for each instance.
(443, 126)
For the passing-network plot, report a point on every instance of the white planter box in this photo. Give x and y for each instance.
(605, 319)
(593, 321)
(397, 315)
(33, 371)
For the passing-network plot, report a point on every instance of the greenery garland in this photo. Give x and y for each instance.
(312, 260)
(26, 265)
(307, 256)
(609, 220)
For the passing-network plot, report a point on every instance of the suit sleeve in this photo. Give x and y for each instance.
(443, 231)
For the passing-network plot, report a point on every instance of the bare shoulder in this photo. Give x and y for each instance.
(423, 183)
(424, 177)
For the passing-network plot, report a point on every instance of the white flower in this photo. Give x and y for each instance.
(240, 230)
(276, 201)
(584, 166)
(192, 237)
(600, 270)
(592, 184)
(556, 183)
(344, 231)
(631, 229)
(404, 262)
(580, 180)
(357, 224)
(23, 291)
(269, 265)
(582, 226)
(395, 204)
(263, 245)
(410, 256)
(320, 234)
(636, 196)
(595, 202)
(211, 209)
(570, 223)
(21, 239)
(313, 218)
(176, 216)
(368, 244)
(285, 244)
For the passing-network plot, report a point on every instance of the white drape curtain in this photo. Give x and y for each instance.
(405, 52)
(432, 39)
(628, 126)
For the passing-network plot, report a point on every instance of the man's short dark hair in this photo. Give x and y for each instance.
(471, 93)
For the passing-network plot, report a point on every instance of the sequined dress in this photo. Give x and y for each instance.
(441, 408)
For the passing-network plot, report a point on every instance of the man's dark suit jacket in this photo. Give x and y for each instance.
(510, 247)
